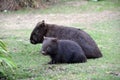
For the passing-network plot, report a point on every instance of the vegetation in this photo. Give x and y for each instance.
(93, 18)
(19, 4)
(5, 61)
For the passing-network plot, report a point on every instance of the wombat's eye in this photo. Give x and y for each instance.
(37, 32)
(34, 37)
(48, 49)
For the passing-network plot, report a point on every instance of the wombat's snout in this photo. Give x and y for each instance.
(43, 52)
(32, 41)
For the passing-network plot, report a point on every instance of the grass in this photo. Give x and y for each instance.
(32, 64)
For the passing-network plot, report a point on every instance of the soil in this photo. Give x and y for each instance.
(18, 21)
(28, 21)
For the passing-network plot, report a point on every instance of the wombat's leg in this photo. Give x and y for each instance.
(51, 62)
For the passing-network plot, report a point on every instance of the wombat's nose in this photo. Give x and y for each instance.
(43, 52)
(33, 42)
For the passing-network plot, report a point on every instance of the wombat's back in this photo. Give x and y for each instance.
(81, 37)
(72, 51)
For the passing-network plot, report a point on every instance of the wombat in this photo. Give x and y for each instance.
(82, 38)
(62, 51)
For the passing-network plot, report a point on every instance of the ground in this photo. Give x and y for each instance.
(28, 21)
(100, 19)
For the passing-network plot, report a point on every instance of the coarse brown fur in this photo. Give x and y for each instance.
(88, 45)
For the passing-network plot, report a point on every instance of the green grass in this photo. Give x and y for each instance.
(32, 65)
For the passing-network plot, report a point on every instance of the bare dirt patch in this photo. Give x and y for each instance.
(28, 21)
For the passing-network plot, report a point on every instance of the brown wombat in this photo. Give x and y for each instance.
(87, 44)
(62, 51)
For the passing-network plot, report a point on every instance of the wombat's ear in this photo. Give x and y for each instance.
(45, 38)
(43, 21)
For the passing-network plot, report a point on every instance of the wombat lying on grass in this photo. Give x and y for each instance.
(62, 51)
(87, 44)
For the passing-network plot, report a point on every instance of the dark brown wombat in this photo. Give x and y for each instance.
(87, 44)
(62, 51)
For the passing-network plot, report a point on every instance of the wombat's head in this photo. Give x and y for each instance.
(38, 32)
(49, 46)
